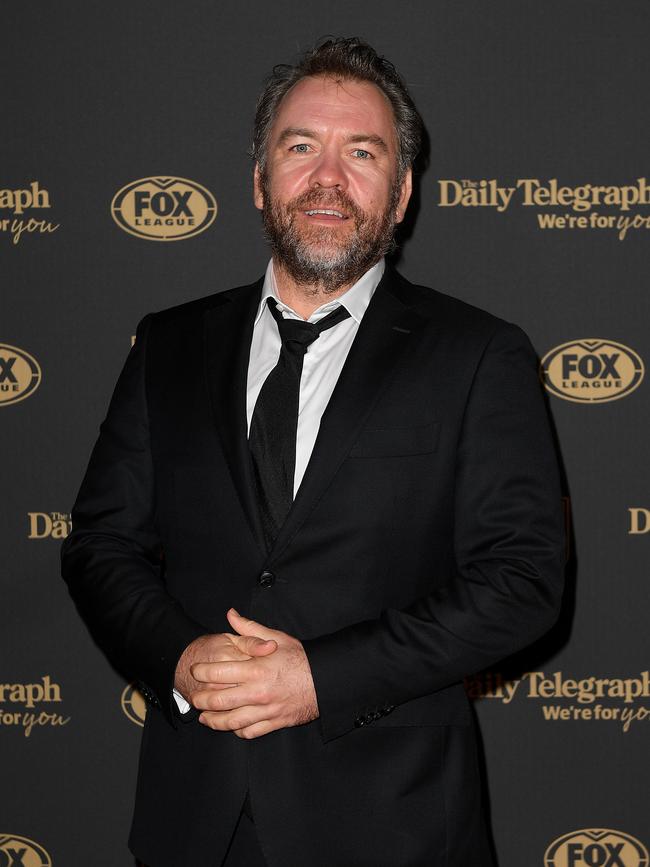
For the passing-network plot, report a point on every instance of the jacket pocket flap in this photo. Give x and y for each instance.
(384, 442)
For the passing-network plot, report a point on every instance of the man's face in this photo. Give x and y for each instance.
(332, 148)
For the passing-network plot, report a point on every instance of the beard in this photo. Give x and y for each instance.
(319, 256)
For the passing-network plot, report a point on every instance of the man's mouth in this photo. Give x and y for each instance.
(325, 212)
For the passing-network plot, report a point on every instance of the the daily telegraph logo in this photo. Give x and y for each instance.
(620, 700)
(164, 208)
(21, 706)
(591, 370)
(639, 521)
(596, 847)
(18, 851)
(17, 203)
(20, 374)
(49, 525)
(134, 705)
(576, 207)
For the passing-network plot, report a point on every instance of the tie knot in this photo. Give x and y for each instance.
(297, 334)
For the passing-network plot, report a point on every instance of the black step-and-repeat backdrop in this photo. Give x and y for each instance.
(126, 187)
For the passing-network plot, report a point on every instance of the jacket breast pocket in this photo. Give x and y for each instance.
(396, 441)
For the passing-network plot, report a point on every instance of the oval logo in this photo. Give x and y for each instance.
(591, 371)
(22, 852)
(20, 375)
(134, 705)
(596, 848)
(164, 209)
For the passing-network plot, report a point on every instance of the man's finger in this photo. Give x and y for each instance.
(253, 645)
(217, 687)
(241, 718)
(245, 626)
(220, 700)
(256, 730)
(222, 672)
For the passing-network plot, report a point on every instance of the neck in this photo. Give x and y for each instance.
(304, 298)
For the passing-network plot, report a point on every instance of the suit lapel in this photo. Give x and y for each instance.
(228, 330)
(383, 336)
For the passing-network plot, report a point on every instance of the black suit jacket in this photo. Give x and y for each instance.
(424, 544)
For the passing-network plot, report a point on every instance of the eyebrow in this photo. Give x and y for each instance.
(371, 138)
(301, 132)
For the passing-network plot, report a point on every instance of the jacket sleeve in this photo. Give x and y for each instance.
(112, 558)
(509, 557)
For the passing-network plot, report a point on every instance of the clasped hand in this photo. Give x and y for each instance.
(251, 683)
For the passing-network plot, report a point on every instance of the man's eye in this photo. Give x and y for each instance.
(300, 148)
(365, 155)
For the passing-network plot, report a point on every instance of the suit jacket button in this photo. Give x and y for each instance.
(266, 579)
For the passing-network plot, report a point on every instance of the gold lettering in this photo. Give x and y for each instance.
(45, 529)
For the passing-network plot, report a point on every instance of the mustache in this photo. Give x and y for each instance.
(333, 199)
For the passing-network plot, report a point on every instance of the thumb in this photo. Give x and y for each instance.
(255, 646)
(245, 626)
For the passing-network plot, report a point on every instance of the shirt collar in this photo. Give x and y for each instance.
(355, 299)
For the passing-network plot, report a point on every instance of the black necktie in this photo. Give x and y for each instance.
(272, 437)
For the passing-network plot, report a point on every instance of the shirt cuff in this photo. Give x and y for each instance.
(183, 706)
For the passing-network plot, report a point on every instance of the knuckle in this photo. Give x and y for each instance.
(215, 701)
(198, 699)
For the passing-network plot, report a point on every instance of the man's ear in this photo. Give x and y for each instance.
(258, 195)
(405, 194)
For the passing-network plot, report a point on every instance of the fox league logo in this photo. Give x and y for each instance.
(591, 370)
(133, 705)
(164, 208)
(18, 851)
(596, 848)
(20, 375)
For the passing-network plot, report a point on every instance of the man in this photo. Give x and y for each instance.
(360, 465)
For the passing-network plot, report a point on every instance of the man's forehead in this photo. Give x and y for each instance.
(360, 107)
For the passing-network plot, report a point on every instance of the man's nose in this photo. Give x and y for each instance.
(328, 171)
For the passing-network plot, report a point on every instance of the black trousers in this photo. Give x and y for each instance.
(244, 849)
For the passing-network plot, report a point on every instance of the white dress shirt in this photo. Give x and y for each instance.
(322, 364)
